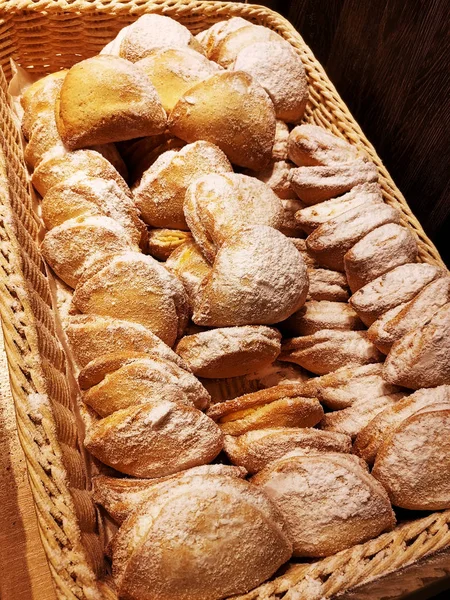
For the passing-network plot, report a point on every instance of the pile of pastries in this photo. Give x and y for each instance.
(264, 366)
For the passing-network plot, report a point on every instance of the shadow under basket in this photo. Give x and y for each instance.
(43, 36)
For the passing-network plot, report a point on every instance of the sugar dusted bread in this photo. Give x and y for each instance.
(310, 146)
(39, 98)
(317, 315)
(233, 43)
(210, 38)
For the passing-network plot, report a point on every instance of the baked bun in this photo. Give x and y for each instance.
(151, 32)
(239, 543)
(331, 240)
(91, 197)
(82, 163)
(279, 406)
(277, 67)
(44, 139)
(162, 242)
(310, 217)
(210, 38)
(92, 336)
(39, 98)
(230, 351)
(378, 252)
(380, 428)
(316, 184)
(396, 287)
(317, 315)
(311, 146)
(234, 42)
(154, 439)
(173, 71)
(327, 285)
(154, 298)
(256, 449)
(216, 206)
(124, 379)
(120, 497)
(276, 282)
(242, 124)
(160, 193)
(413, 463)
(329, 349)
(190, 266)
(78, 243)
(107, 99)
(421, 358)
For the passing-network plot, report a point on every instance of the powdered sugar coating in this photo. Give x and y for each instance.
(211, 37)
(310, 145)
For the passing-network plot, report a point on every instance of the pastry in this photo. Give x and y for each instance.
(242, 124)
(276, 176)
(107, 99)
(255, 449)
(258, 278)
(331, 240)
(190, 266)
(216, 206)
(325, 284)
(391, 289)
(39, 98)
(316, 315)
(160, 193)
(277, 67)
(316, 184)
(378, 252)
(162, 242)
(421, 358)
(330, 349)
(310, 146)
(230, 351)
(227, 49)
(210, 38)
(310, 217)
(329, 502)
(239, 542)
(279, 406)
(123, 379)
(154, 439)
(380, 428)
(154, 297)
(413, 462)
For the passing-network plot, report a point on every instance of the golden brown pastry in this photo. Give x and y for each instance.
(40, 98)
(229, 351)
(107, 99)
(421, 358)
(190, 266)
(316, 315)
(160, 193)
(242, 124)
(413, 463)
(329, 502)
(217, 205)
(210, 38)
(228, 48)
(396, 287)
(154, 439)
(258, 278)
(239, 542)
(316, 184)
(378, 252)
(325, 284)
(279, 406)
(137, 288)
(330, 349)
(255, 449)
(162, 242)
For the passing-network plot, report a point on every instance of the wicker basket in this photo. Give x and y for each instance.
(43, 36)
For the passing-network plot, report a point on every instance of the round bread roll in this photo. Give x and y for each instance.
(173, 71)
(72, 247)
(216, 206)
(258, 278)
(413, 462)
(210, 38)
(162, 242)
(160, 193)
(329, 502)
(107, 99)
(91, 336)
(128, 379)
(255, 449)
(151, 32)
(92, 196)
(137, 288)
(229, 47)
(279, 70)
(154, 439)
(190, 266)
(39, 98)
(230, 351)
(279, 406)
(239, 541)
(310, 146)
(82, 163)
(317, 315)
(242, 124)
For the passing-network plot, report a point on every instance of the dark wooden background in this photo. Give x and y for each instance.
(389, 60)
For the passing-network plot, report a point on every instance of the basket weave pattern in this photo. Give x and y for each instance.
(44, 36)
